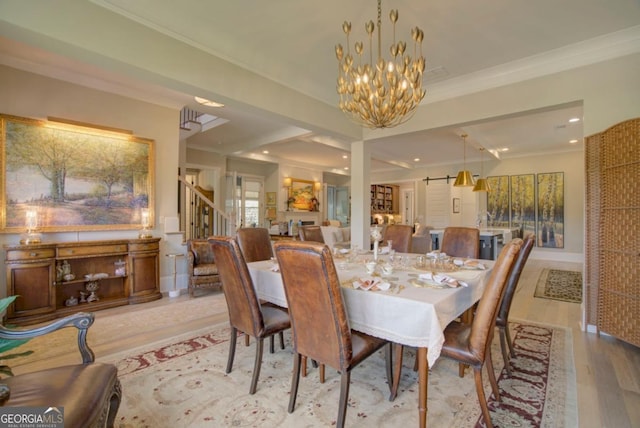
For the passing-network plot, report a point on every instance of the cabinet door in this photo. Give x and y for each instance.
(33, 283)
(145, 277)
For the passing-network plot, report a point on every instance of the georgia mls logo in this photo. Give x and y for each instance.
(31, 417)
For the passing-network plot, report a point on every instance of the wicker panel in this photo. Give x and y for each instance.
(621, 272)
(593, 167)
(620, 143)
(625, 323)
(619, 285)
(619, 230)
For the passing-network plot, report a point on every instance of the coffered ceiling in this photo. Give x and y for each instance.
(469, 46)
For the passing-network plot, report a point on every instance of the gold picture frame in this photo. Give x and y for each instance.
(271, 199)
(74, 176)
(301, 195)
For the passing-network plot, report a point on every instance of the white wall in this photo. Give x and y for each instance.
(33, 96)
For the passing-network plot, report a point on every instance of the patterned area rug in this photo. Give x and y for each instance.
(559, 284)
(183, 383)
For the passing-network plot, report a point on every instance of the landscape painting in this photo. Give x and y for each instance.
(551, 210)
(523, 203)
(301, 195)
(498, 201)
(74, 177)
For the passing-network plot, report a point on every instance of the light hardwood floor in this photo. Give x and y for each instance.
(607, 370)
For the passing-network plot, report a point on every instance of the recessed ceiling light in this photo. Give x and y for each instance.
(504, 149)
(573, 141)
(416, 159)
(346, 168)
(266, 152)
(574, 119)
(345, 156)
(208, 103)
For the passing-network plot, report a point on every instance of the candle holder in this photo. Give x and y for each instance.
(32, 236)
(146, 226)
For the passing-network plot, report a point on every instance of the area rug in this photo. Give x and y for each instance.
(557, 284)
(182, 383)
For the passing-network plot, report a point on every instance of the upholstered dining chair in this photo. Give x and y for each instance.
(502, 320)
(312, 286)
(255, 243)
(246, 314)
(461, 242)
(470, 344)
(89, 392)
(311, 233)
(400, 237)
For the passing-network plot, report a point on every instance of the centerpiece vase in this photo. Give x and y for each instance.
(375, 250)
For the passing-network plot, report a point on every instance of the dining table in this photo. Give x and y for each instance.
(410, 303)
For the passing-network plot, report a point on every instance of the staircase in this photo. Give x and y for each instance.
(193, 122)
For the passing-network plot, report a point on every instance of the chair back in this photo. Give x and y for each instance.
(514, 277)
(255, 243)
(201, 251)
(485, 317)
(319, 322)
(242, 301)
(461, 242)
(311, 233)
(400, 235)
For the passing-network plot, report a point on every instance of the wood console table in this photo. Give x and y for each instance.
(34, 272)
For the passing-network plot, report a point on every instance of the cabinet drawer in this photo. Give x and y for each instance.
(151, 246)
(35, 254)
(91, 250)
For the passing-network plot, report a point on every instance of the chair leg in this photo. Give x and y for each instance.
(272, 348)
(461, 368)
(345, 380)
(232, 349)
(492, 376)
(477, 374)
(304, 366)
(281, 340)
(256, 366)
(295, 380)
(246, 340)
(507, 333)
(321, 372)
(503, 346)
(397, 372)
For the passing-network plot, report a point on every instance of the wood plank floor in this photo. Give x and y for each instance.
(607, 370)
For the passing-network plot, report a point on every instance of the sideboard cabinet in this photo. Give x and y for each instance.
(56, 279)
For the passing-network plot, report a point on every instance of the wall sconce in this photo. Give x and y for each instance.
(286, 182)
(31, 223)
(317, 187)
(145, 218)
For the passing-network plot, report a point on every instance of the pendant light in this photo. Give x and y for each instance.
(464, 178)
(482, 185)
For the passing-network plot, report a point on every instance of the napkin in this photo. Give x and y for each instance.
(442, 279)
(475, 264)
(433, 254)
(373, 284)
(383, 250)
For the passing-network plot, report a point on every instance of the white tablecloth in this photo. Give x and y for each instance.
(413, 316)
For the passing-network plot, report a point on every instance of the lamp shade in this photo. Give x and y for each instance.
(482, 185)
(286, 182)
(464, 179)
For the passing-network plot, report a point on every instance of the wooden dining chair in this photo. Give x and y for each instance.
(470, 344)
(246, 313)
(311, 233)
(400, 236)
(255, 243)
(312, 286)
(502, 320)
(461, 242)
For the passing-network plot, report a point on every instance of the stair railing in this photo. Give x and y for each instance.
(205, 218)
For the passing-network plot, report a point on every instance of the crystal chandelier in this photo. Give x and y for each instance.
(381, 93)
